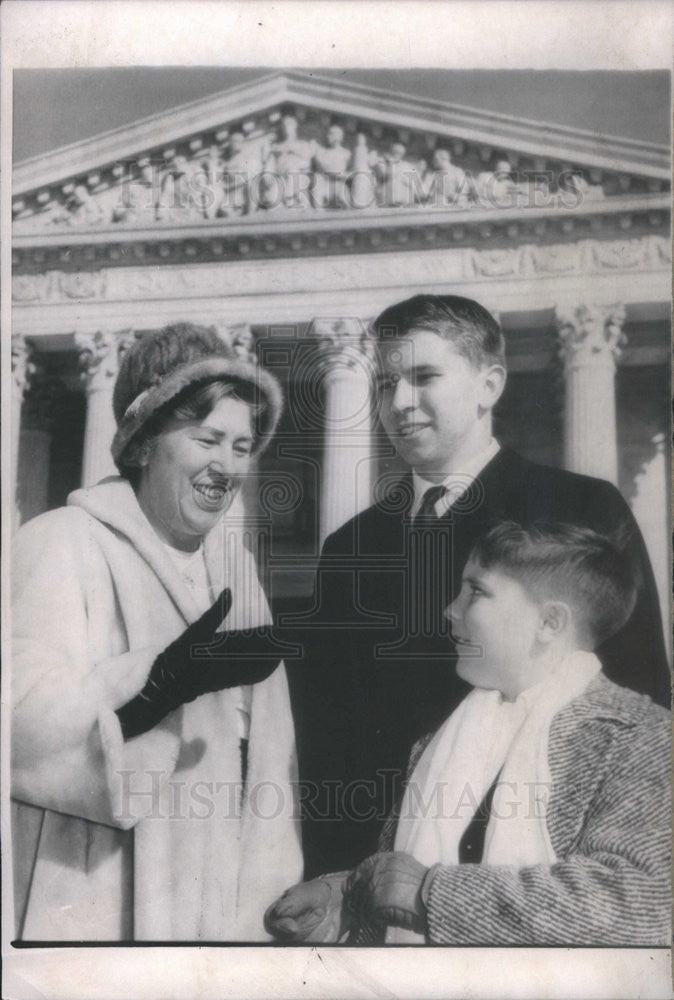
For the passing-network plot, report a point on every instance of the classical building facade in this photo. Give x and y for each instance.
(292, 210)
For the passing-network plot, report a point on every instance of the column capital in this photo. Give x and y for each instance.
(591, 334)
(343, 341)
(239, 337)
(100, 352)
(22, 366)
(591, 337)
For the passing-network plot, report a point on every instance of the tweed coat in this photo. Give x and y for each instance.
(380, 671)
(609, 823)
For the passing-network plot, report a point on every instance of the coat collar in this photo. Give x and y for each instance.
(505, 468)
(602, 701)
(113, 502)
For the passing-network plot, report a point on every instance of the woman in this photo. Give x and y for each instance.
(152, 806)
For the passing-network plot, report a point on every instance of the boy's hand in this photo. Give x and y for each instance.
(387, 889)
(309, 911)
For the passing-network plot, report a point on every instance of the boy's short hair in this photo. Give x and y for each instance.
(593, 574)
(468, 325)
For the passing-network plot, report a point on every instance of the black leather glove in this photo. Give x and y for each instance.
(310, 911)
(390, 888)
(200, 661)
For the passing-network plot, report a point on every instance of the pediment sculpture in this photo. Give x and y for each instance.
(295, 159)
(282, 172)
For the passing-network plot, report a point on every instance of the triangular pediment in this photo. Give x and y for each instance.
(393, 152)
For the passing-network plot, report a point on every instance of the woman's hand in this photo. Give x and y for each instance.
(199, 661)
(310, 911)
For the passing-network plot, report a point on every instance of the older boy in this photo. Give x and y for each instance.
(374, 676)
(538, 813)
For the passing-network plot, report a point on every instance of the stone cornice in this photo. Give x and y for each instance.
(372, 104)
(473, 124)
(155, 131)
(299, 235)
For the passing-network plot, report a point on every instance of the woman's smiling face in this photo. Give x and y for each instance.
(193, 470)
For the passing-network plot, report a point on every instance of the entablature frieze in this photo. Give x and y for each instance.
(528, 261)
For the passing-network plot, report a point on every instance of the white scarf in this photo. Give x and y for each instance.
(484, 736)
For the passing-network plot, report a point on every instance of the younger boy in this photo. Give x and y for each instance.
(538, 813)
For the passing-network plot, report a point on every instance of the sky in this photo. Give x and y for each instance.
(54, 107)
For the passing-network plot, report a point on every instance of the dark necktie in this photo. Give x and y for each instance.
(471, 845)
(426, 513)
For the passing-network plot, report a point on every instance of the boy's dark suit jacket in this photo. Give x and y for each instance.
(377, 666)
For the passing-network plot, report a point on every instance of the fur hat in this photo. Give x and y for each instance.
(159, 365)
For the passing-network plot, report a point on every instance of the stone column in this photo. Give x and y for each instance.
(346, 370)
(22, 369)
(99, 363)
(591, 338)
(650, 506)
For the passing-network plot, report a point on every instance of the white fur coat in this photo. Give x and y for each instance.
(146, 840)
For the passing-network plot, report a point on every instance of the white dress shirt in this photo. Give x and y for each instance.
(456, 483)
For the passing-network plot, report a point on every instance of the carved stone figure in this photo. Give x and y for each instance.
(329, 188)
(362, 180)
(138, 197)
(80, 210)
(241, 177)
(178, 201)
(83, 208)
(497, 188)
(400, 180)
(576, 190)
(445, 184)
(290, 159)
(204, 182)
